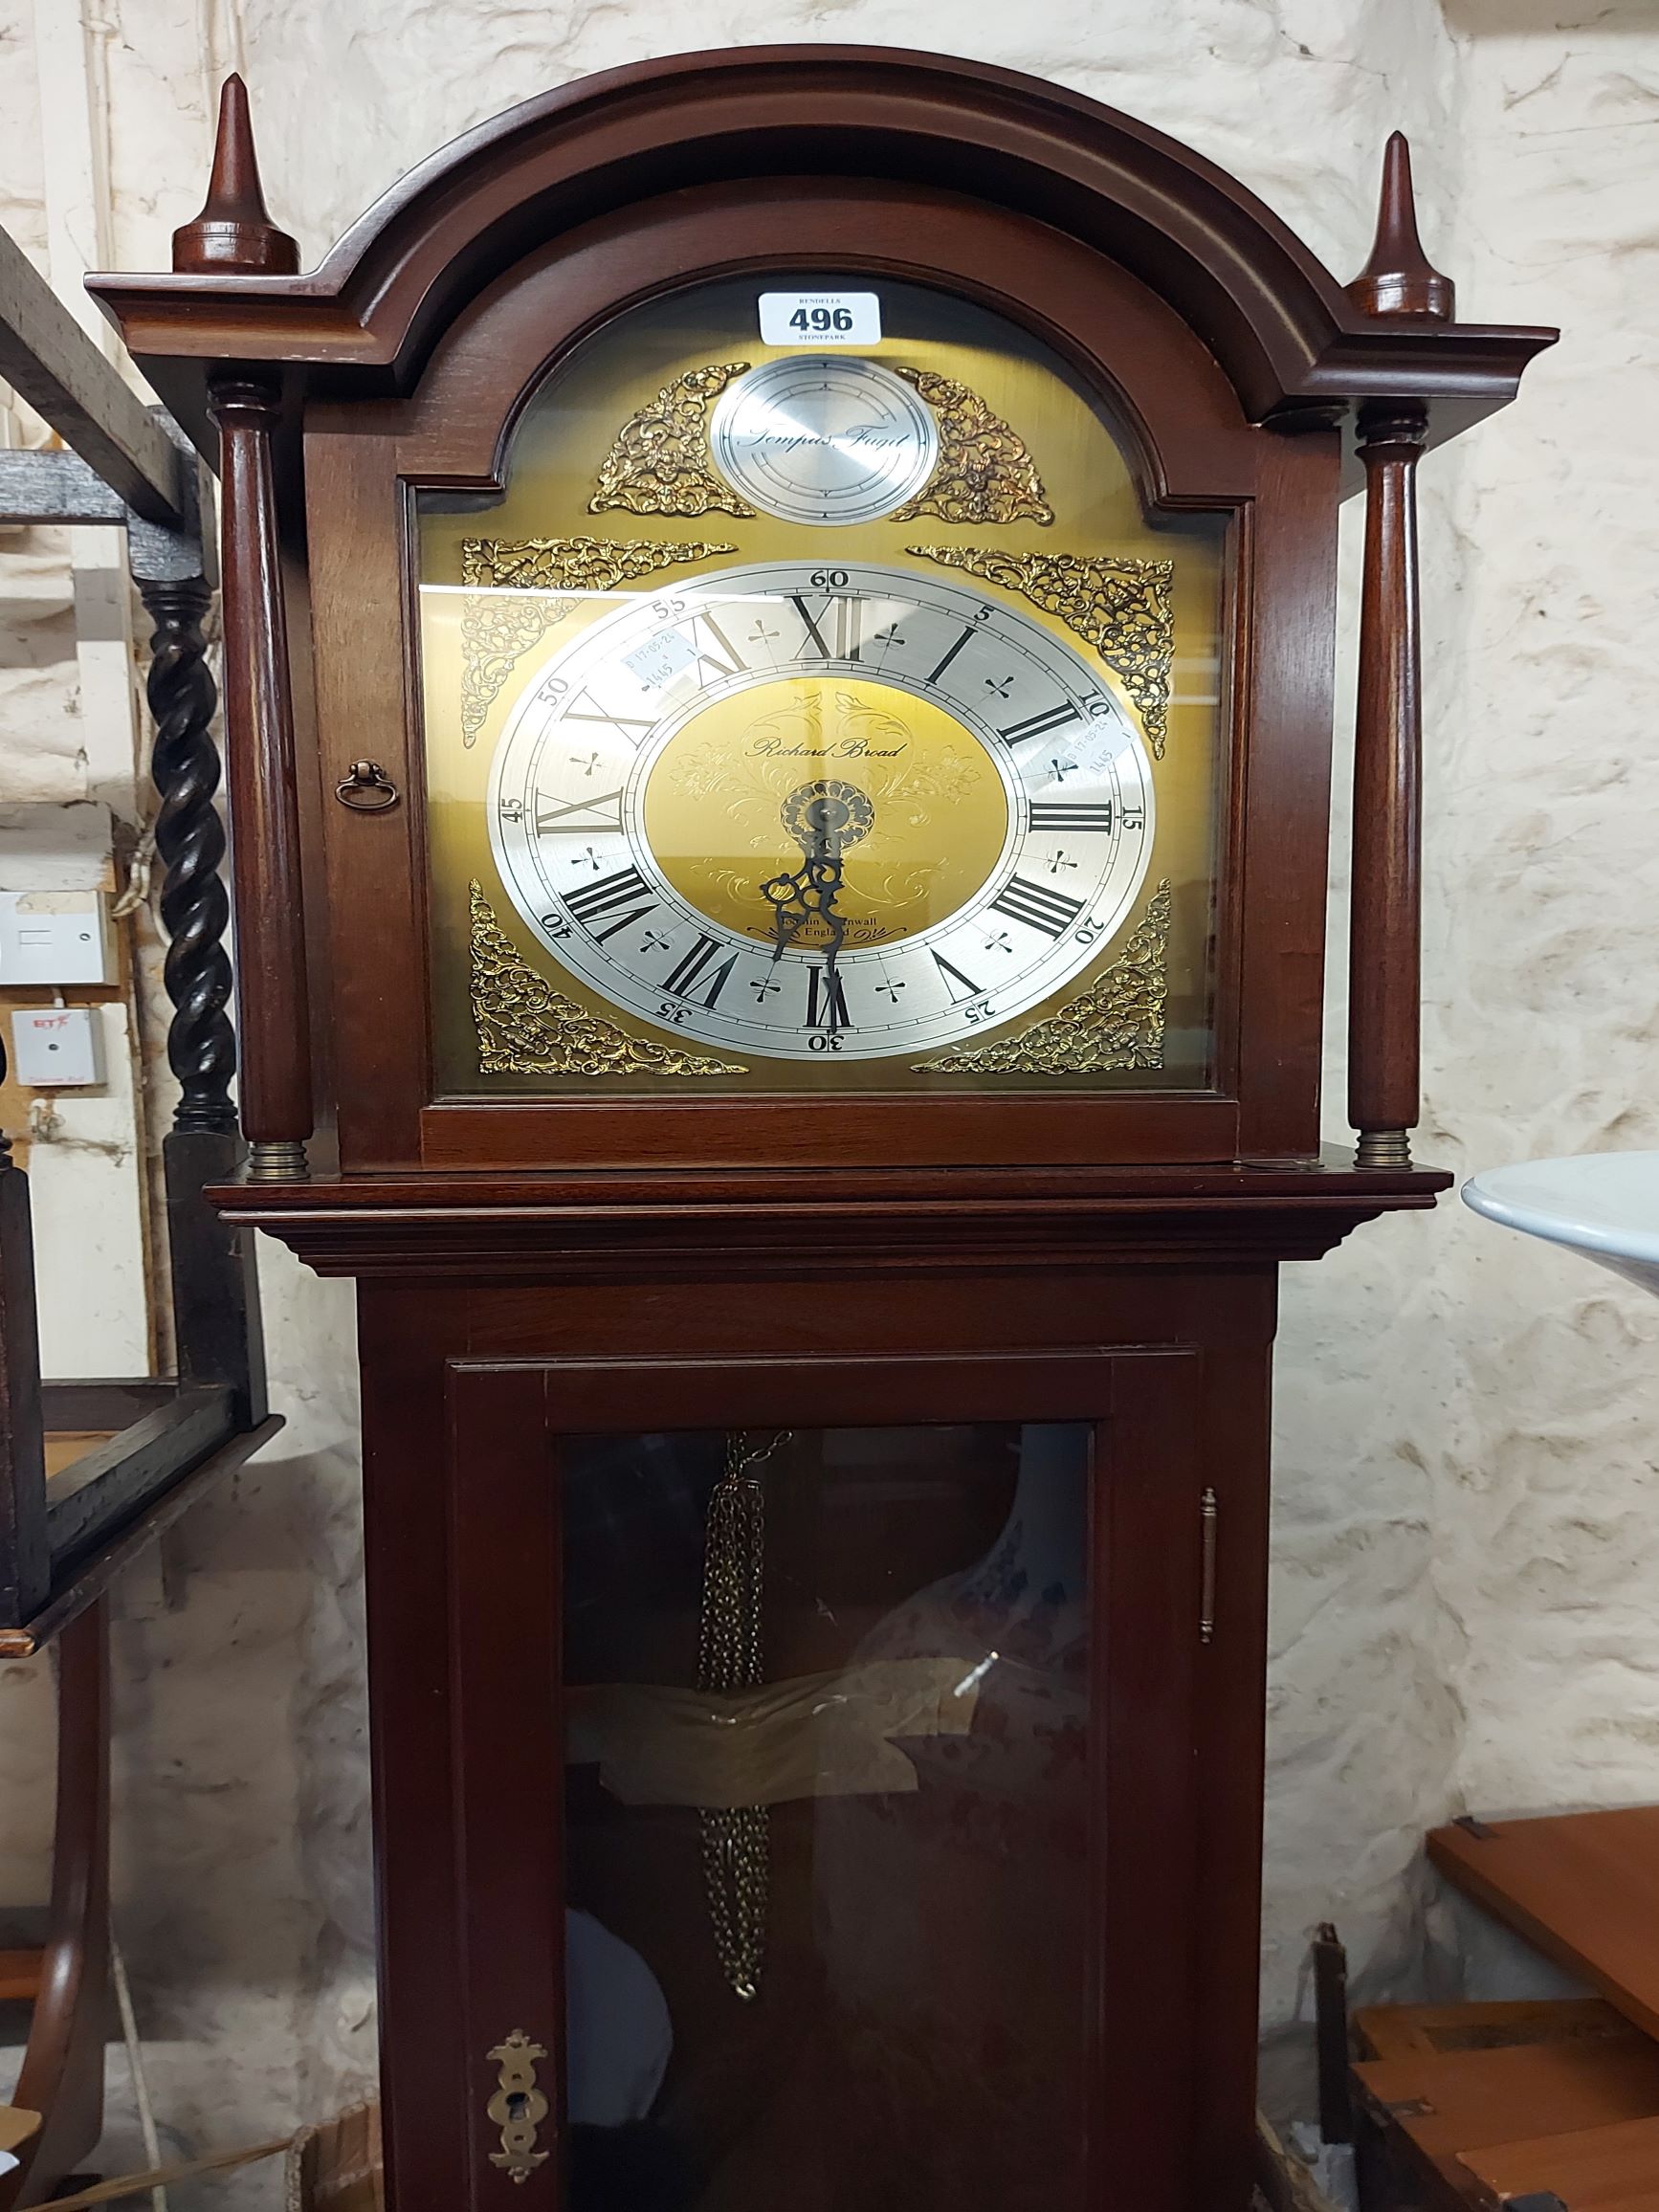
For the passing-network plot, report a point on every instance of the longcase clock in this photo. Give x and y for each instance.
(779, 619)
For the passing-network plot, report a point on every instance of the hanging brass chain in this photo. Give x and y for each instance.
(736, 1865)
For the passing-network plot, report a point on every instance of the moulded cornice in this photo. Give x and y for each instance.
(624, 1225)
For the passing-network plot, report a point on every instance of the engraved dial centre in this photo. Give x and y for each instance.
(917, 809)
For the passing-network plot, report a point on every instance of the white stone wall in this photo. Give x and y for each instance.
(1469, 1424)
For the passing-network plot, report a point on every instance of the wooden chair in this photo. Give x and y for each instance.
(67, 1980)
(92, 1471)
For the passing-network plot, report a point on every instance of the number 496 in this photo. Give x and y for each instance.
(807, 319)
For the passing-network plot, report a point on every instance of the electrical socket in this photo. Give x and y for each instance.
(57, 1048)
(55, 937)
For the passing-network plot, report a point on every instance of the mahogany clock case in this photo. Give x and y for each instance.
(575, 1310)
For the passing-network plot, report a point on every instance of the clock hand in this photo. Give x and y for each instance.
(826, 884)
(797, 899)
(817, 822)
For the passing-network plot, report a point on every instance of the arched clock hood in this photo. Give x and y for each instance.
(1287, 334)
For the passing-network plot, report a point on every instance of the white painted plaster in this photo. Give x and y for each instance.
(1469, 1424)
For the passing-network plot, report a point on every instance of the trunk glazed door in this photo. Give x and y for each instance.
(828, 1784)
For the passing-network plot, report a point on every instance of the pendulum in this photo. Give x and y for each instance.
(729, 1657)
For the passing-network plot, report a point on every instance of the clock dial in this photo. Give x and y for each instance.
(791, 811)
(824, 438)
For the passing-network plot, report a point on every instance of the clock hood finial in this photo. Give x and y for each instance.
(234, 232)
(1398, 279)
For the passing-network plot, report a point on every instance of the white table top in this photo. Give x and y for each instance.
(1604, 1205)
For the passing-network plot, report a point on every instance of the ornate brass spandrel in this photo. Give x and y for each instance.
(984, 472)
(518, 2105)
(658, 463)
(528, 1027)
(498, 630)
(1117, 1022)
(495, 632)
(1122, 607)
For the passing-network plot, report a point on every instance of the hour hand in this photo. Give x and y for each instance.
(797, 899)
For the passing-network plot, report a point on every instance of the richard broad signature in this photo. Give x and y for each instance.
(840, 750)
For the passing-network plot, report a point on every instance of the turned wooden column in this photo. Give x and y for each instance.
(273, 996)
(234, 232)
(1385, 915)
(214, 1285)
(1398, 285)
(190, 840)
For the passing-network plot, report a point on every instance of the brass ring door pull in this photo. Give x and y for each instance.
(367, 789)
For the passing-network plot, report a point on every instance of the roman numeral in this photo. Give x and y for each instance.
(620, 723)
(954, 975)
(814, 636)
(734, 659)
(693, 969)
(621, 888)
(825, 1001)
(604, 812)
(848, 619)
(1039, 725)
(1060, 814)
(952, 653)
(1038, 907)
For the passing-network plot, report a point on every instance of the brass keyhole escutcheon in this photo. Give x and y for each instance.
(518, 2106)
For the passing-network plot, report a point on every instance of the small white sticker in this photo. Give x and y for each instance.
(820, 318)
(661, 659)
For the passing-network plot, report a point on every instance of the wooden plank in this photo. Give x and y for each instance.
(1439, 2107)
(64, 1446)
(1425, 2031)
(105, 1404)
(215, 1286)
(19, 1980)
(340, 2164)
(25, 1557)
(111, 1482)
(51, 487)
(1583, 1886)
(1614, 2169)
(95, 1574)
(46, 356)
(16, 2126)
